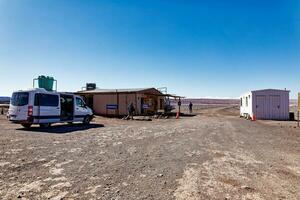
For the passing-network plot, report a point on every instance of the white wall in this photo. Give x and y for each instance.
(246, 109)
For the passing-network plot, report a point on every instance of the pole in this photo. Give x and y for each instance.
(118, 111)
(298, 118)
(298, 109)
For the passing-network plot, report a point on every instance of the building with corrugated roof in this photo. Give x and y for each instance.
(114, 102)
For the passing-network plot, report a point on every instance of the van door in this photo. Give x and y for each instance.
(18, 108)
(80, 109)
(48, 108)
(66, 107)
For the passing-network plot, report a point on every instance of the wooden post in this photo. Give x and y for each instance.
(118, 111)
(136, 105)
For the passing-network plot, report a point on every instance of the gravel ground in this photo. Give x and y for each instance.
(214, 155)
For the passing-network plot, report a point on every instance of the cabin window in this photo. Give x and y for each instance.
(46, 100)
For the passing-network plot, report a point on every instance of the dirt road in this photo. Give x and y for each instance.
(215, 155)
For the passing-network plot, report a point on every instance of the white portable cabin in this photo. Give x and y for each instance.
(268, 104)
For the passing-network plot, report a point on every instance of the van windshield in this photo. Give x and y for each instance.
(20, 98)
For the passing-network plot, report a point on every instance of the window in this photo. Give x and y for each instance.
(80, 102)
(241, 101)
(246, 101)
(46, 100)
(19, 98)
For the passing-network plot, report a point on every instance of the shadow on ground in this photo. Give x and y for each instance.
(63, 128)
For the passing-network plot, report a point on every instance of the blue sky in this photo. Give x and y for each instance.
(201, 48)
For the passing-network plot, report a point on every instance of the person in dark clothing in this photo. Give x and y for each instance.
(131, 110)
(191, 107)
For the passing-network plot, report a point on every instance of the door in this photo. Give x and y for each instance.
(142, 105)
(18, 109)
(47, 107)
(90, 102)
(275, 106)
(260, 107)
(80, 109)
(66, 107)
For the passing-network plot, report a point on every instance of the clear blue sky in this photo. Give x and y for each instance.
(201, 48)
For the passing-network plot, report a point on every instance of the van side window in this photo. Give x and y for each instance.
(79, 102)
(46, 100)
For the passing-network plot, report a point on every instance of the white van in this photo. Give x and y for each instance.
(38, 106)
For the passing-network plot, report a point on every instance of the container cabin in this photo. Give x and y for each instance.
(268, 104)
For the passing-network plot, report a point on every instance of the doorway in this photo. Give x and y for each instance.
(66, 107)
(142, 105)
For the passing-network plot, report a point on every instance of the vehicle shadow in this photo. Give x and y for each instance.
(63, 128)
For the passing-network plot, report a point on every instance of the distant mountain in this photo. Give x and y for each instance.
(4, 100)
(209, 101)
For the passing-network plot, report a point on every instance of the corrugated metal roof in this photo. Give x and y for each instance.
(263, 90)
(116, 90)
(270, 90)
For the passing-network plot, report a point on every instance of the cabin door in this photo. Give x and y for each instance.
(142, 105)
(260, 107)
(275, 106)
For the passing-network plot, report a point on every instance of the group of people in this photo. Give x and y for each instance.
(131, 110)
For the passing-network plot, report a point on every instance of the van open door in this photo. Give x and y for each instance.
(67, 107)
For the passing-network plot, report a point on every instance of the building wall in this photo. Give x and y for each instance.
(271, 111)
(100, 101)
(246, 109)
(124, 102)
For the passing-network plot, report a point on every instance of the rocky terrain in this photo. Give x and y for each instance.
(214, 155)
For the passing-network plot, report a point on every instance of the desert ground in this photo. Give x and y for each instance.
(213, 155)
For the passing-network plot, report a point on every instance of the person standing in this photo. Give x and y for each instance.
(131, 110)
(191, 107)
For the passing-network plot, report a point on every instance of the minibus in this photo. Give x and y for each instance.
(39, 106)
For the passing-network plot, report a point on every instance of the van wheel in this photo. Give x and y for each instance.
(45, 125)
(26, 125)
(87, 120)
